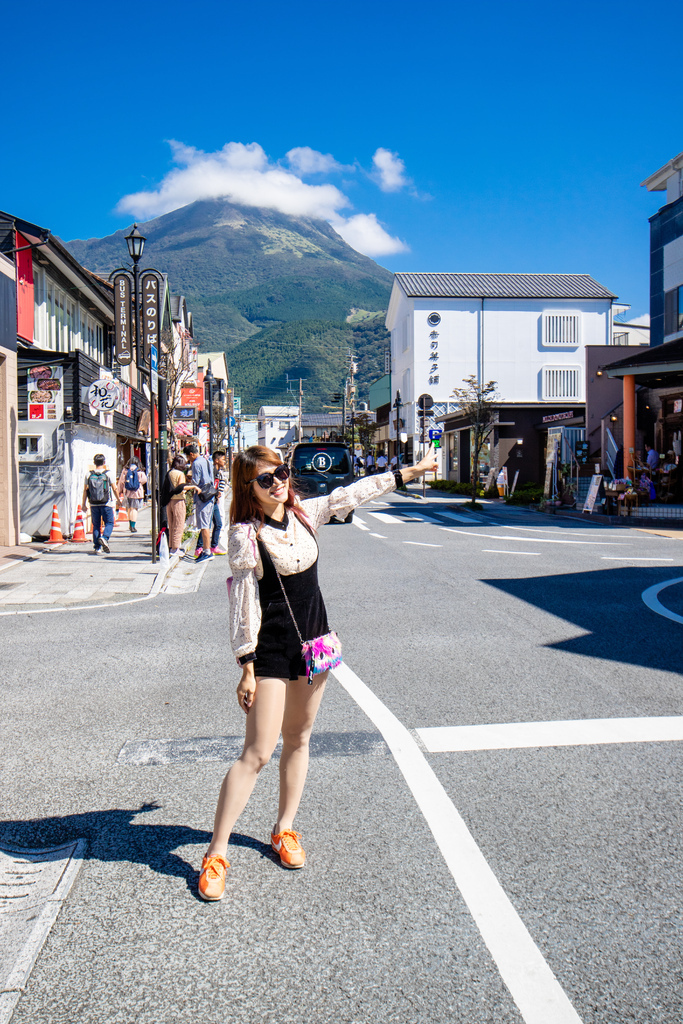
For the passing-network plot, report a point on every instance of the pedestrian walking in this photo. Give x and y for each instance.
(275, 601)
(222, 485)
(172, 498)
(382, 464)
(100, 490)
(131, 487)
(369, 464)
(393, 465)
(205, 493)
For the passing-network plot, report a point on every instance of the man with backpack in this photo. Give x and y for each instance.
(100, 490)
(132, 490)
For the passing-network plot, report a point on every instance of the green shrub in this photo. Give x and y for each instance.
(527, 494)
(491, 492)
(451, 487)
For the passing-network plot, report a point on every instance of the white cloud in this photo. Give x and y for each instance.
(244, 174)
(365, 234)
(389, 170)
(304, 160)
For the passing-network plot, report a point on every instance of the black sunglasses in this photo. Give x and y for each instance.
(266, 480)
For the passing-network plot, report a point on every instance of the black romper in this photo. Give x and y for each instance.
(278, 651)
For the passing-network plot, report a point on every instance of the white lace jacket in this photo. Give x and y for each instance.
(292, 550)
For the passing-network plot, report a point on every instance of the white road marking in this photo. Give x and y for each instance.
(533, 986)
(359, 523)
(500, 551)
(651, 599)
(584, 732)
(421, 544)
(544, 529)
(533, 540)
(634, 558)
(385, 518)
(380, 535)
(460, 518)
(419, 518)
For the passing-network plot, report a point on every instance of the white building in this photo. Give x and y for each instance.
(274, 423)
(527, 332)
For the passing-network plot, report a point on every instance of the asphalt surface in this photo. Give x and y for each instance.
(119, 723)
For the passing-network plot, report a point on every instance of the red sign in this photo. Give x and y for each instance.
(36, 412)
(192, 397)
(25, 302)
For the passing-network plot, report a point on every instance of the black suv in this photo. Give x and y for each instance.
(319, 468)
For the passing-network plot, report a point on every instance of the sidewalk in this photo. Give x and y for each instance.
(35, 576)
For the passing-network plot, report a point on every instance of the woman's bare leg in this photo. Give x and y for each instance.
(264, 723)
(301, 707)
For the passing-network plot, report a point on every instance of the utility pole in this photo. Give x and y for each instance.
(301, 398)
(353, 369)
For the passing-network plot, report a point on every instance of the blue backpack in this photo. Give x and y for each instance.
(132, 479)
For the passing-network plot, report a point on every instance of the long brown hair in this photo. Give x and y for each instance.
(245, 505)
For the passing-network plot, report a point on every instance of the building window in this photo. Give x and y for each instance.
(561, 383)
(673, 310)
(406, 332)
(561, 329)
(620, 339)
(283, 425)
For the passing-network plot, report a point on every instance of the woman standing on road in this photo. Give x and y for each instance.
(273, 548)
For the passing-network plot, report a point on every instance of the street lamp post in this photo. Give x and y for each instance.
(149, 336)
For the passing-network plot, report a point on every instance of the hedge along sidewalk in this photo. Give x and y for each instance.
(73, 576)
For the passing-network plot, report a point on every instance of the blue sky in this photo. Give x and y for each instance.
(505, 137)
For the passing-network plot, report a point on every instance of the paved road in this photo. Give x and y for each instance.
(432, 876)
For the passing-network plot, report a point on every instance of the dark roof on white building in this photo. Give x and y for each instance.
(502, 286)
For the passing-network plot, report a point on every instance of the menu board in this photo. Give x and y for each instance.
(45, 392)
(593, 491)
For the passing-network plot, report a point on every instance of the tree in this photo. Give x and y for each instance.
(365, 429)
(477, 402)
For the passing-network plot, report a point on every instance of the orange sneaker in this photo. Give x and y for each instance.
(212, 877)
(287, 845)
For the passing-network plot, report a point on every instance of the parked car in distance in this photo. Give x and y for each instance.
(317, 468)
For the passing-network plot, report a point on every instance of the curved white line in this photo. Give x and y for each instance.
(650, 598)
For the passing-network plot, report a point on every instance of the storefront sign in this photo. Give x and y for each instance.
(123, 329)
(45, 393)
(678, 404)
(593, 491)
(103, 395)
(193, 397)
(150, 316)
(559, 416)
(434, 356)
(185, 414)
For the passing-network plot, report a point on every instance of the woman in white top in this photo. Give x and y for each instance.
(273, 548)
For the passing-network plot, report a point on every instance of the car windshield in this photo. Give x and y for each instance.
(321, 460)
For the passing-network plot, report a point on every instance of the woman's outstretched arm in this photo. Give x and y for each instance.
(344, 499)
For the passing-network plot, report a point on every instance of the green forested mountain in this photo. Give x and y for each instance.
(274, 292)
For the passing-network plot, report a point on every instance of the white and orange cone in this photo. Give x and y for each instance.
(122, 517)
(55, 528)
(79, 529)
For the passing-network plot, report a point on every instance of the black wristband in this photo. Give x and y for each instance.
(246, 658)
(398, 477)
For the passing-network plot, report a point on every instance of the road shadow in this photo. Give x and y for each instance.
(116, 835)
(607, 604)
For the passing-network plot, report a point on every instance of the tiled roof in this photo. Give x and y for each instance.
(502, 286)
(321, 419)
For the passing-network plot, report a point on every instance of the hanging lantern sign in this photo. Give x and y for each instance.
(104, 395)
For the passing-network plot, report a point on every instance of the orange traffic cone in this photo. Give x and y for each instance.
(79, 529)
(55, 528)
(122, 516)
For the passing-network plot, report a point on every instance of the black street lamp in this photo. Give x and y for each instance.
(147, 341)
